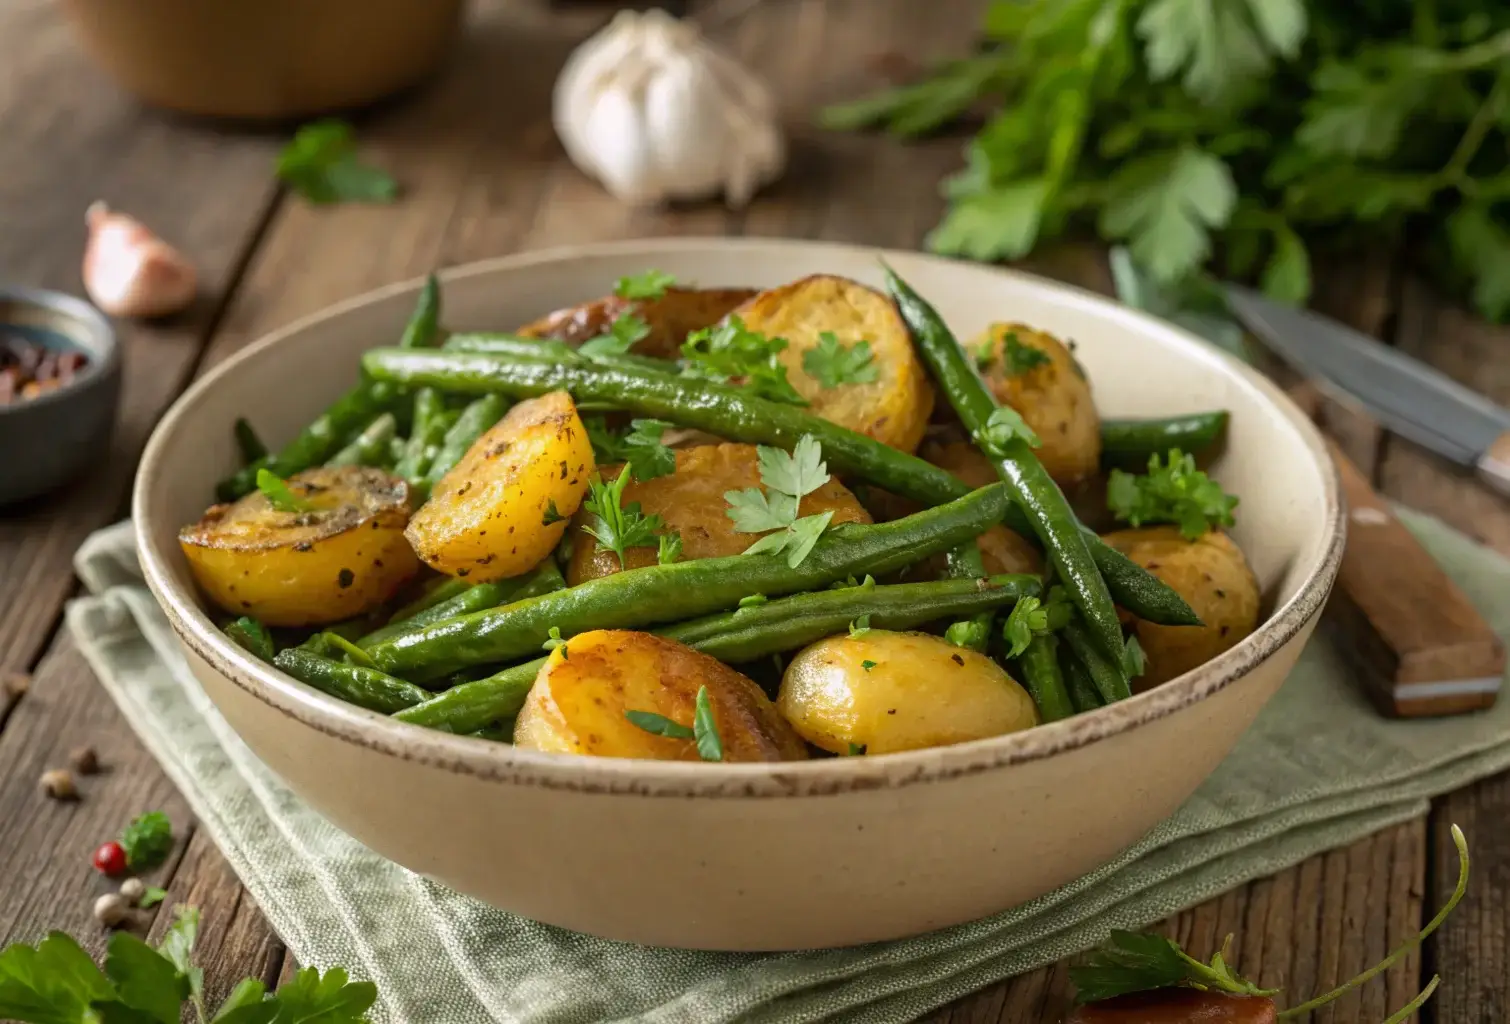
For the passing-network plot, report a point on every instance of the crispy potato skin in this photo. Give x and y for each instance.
(671, 318)
(895, 407)
(920, 692)
(578, 702)
(1213, 578)
(306, 568)
(1052, 397)
(691, 501)
(485, 519)
(1000, 548)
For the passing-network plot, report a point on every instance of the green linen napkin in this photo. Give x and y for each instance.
(1319, 769)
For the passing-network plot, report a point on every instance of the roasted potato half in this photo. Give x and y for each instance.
(1212, 576)
(578, 702)
(1001, 550)
(691, 501)
(1037, 375)
(672, 317)
(344, 557)
(895, 406)
(886, 691)
(487, 518)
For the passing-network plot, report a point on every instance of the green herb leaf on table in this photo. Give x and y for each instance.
(710, 746)
(1004, 426)
(669, 548)
(1166, 206)
(147, 840)
(152, 897)
(1139, 962)
(730, 353)
(1172, 491)
(322, 165)
(616, 526)
(625, 330)
(279, 495)
(650, 284)
(552, 514)
(834, 364)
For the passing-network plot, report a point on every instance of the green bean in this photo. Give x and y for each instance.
(442, 589)
(1039, 666)
(249, 444)
(423, 328)
(356, 684)
(1078, 682)
(513, 345)
(544, 579)
(425, 436)
(1106, 673)
(252, 636)
(732, 413)
(974, 633)
(748, 634)
(1032, 488)
(370, 447)
(1128, 443)
(475, 420)
(669, 593)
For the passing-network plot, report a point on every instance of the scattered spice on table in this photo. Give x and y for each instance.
(29, 370)
(58, 784)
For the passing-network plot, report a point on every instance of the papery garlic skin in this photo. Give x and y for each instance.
(655, 112)
(129, 271)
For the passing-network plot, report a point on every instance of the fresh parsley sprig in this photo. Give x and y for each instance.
(56, 981)
(1004, 426)
(1142, 962)
(704, 728)
(1019, 358)
(616, 526)
(1172, 491)
(731, 353)
(147, 840)
(787, 479)
(626, 329)
(322, 165)
(834, 364)
(640, 447)
(279, 495)
(1032, 617)
(649, 284)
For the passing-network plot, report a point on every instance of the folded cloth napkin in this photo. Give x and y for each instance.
(1318, 769)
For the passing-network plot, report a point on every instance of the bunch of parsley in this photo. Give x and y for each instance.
(1229, 135)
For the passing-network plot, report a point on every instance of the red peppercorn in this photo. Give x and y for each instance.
(110, 859)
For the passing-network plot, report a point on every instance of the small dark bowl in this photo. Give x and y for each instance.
(46, 441)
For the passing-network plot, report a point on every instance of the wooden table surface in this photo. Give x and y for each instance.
(483, 175)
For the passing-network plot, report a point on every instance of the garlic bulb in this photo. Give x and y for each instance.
(655, 112)
(129, 271)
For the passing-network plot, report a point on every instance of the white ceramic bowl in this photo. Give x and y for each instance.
(758, 856)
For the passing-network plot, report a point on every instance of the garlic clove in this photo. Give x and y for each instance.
(130, 272)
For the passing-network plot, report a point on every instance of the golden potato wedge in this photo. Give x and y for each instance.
(1000, 548)
(578, 702)
(486, 518)
(345, 557)
(691, 501)
(671, 318)
(1212, 576)
(888, 691)
(894, 408)
(1053, 397)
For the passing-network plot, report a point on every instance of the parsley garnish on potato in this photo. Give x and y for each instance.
(731, 353)
(834, 364)
(650, 284)
(704, 729)
(1172, 491)
(787, 479)
(619, 527)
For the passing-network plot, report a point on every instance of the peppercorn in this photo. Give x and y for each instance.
(111, 909)
(58, 784)
(133, 889)
(84, 760)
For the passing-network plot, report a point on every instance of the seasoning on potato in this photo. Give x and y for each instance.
(885, 692)
(1036, 374)
(504, 506)
(825, 320)
(1213, 577)
(339, 552)
(580, 698)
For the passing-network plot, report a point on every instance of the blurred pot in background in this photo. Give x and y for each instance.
(266, 60)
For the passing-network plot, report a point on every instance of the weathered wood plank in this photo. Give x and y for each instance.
(71, 138)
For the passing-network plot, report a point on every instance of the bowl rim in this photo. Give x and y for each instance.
(101, 364)
(496, 762)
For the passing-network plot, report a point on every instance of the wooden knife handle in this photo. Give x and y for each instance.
(1424, 649)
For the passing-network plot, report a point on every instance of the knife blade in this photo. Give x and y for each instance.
(1407, 396)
